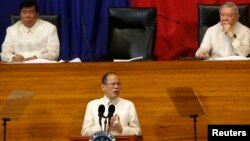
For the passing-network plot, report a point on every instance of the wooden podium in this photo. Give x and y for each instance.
(118, 138)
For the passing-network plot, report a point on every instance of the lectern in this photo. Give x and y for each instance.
(187, 103)
(118, 138)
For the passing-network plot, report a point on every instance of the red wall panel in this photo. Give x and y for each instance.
(176, 40)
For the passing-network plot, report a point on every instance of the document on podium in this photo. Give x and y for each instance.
(40, 60)
(76, 60)
(226, 58)
(35, 61)
(128, 60)
(15, 104)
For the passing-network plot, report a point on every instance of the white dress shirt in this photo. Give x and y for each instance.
(41, 40)
(218, 44)
(123, 108)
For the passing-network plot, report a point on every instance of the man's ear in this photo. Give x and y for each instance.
(238, 17)
(103, 86)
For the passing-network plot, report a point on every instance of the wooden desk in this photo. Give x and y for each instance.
(61, 92)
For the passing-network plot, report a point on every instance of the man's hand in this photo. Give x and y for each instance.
(228, 29)
(203, 55)
(18, 58)
(30, 58)
(115, 124)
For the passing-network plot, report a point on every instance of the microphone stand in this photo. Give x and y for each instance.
(105, 121)
(194, 116)
(4, 125)
(105, 124)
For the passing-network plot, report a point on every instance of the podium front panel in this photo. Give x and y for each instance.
(118, 138)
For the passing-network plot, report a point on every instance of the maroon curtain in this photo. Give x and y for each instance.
(172, 39)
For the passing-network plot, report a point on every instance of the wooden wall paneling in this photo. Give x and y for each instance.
(61, 92)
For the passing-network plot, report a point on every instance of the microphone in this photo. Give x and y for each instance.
(111, 111)
(101, 110)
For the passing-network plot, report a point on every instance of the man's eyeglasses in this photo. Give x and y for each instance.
(227, 15)
(113, 84)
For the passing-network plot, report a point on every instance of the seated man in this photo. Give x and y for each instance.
(227, 38)
(124, 120)
(31, 37)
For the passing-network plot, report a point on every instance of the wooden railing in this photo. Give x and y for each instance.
(61, 92)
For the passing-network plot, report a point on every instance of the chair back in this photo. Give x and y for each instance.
(208, 15)
(54, 19)
(131, 33)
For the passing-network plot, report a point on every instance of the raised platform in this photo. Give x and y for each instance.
(61, 92)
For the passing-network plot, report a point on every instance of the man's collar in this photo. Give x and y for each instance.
(32, 29)
(107, 100)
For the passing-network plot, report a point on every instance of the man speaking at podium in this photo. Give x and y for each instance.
(111, 113)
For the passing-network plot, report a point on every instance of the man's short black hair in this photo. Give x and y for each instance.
(105, 76)
(29, 3)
